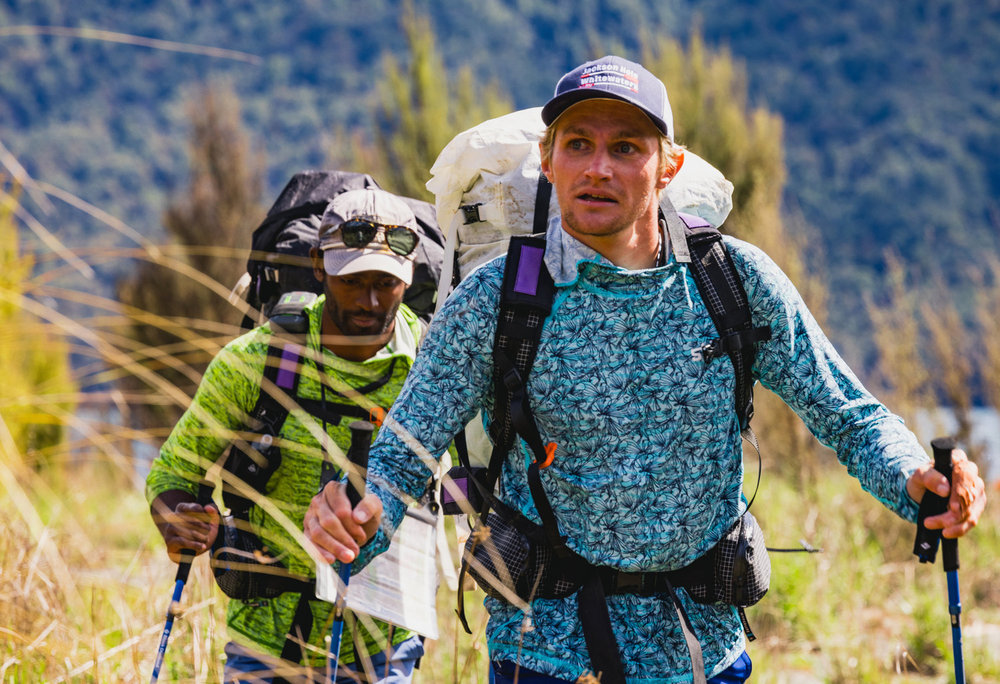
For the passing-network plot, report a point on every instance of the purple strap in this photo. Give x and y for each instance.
(287, 367)
(528, 267)
(693, 221)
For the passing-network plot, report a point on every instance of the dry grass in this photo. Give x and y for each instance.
(84, 585)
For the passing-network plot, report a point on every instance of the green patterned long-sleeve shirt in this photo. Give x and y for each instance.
(226, 396)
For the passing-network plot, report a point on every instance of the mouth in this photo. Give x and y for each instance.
(596, 198)
(364, 321)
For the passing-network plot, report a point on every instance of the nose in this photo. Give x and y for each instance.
(368, 299)
(599, 167)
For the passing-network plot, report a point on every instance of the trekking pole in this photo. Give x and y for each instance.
(926, 545)
(205, 488)
(357, 455)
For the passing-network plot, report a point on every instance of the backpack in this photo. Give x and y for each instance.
(495, 207)
(279, 254)
(485, 185)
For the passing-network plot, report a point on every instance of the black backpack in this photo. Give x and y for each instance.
(279, 257)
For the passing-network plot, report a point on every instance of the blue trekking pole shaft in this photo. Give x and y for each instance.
(183, 570)
(955, 610)
(949, 559)
(357, 456)
(926, 546)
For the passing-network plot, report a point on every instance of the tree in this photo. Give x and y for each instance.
(927, 356)
(714, 119)
(37, 388)
(420, 109)
(176, 304)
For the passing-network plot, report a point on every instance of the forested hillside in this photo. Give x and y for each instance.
(890, 110)
(892, 115)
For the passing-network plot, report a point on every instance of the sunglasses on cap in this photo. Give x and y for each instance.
(357, 233)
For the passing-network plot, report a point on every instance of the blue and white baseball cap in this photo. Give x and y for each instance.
(616, 78)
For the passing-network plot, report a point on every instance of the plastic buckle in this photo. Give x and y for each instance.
(512, 380)
(471, 212)
(628, 582)
(711, 351)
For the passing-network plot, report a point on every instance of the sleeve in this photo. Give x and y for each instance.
(221, 406)
(450, 381)
(801, 366)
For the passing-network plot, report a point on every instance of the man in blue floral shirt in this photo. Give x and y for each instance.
(648, 473)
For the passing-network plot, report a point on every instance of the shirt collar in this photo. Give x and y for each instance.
(564, 254)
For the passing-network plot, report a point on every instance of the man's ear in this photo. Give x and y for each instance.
(319, 272)
(545, 166)
(668, 174)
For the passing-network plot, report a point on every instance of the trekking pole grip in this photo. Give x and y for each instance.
(926, 544)
(942, 448)
(205, 489)
(357, 455)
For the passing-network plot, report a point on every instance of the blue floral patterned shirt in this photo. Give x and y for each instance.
(648, 472)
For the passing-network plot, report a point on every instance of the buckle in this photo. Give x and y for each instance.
(628, 582)
(512, 380)
(471, 212)
(711, 351)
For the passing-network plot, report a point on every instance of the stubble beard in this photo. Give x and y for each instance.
(341, 319)
(611, 227)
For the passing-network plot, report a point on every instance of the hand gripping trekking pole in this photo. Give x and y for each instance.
(357, 454)
(926, 545)
(183, 569)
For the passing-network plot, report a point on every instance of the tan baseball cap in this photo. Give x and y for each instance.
(375, 206)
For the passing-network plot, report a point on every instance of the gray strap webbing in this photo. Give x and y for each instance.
(675, 229)
(694, 646)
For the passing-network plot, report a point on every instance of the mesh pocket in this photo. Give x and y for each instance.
(241, 568)
(740, 567)
(500, 554)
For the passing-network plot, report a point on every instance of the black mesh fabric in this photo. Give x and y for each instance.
(741, 568)
(244, 571)
(505, 553)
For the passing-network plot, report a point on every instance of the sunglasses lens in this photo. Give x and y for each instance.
(358, 233)
(400, 239)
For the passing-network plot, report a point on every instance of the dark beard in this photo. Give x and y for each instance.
(341, 319)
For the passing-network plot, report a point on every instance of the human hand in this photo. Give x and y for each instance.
(967, 498)
(336, 530)
(185, 524)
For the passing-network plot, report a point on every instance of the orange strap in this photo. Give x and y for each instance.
(550, 453)
(376, 414)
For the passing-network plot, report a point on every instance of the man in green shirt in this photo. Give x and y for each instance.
(360, 344)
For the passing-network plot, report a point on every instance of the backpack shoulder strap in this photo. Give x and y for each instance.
(722, 290)
(526, 299)
(255, 465)
(526, 296)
